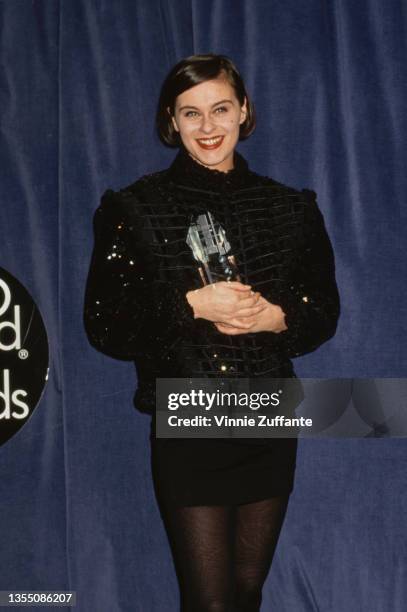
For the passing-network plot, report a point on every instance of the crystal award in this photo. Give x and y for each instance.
(210, 247)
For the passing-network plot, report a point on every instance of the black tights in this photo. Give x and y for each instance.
(222, 554)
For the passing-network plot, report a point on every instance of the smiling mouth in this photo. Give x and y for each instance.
(210, 143)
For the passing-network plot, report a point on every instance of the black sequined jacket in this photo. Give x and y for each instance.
(141, 269)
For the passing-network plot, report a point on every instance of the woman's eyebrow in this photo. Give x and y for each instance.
(196, 108)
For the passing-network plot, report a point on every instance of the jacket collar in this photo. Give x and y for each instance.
(186, 171)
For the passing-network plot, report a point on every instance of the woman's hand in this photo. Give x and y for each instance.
(227, 302)
(270, 318)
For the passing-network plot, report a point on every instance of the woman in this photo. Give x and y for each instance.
(222, 501)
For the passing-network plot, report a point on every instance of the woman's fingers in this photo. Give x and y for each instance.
(243, 310)
(247, 302)
(249, 312)
(235, 285)
(230, 330)
(242, 323)
(224, 301)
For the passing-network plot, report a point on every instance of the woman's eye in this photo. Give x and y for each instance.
(191, 114)
(221, 109)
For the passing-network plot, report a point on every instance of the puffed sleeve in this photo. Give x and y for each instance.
(128, 308)
(311, 300)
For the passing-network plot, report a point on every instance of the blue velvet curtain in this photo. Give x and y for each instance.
(79, 84)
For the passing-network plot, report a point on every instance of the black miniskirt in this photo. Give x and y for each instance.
(208, 471)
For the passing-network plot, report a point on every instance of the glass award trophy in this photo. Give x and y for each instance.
(210, 247)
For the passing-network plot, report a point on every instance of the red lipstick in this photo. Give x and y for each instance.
(209, 146)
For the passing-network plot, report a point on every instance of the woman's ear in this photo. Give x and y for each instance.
(174, 123)
(243, 112)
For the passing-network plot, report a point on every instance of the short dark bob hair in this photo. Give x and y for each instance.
(191, 71)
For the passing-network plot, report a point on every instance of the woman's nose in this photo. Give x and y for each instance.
(207, 124)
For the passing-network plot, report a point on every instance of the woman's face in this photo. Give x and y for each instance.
(208, 117)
